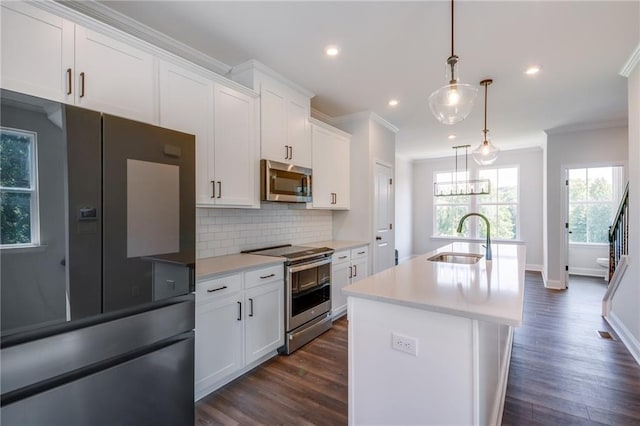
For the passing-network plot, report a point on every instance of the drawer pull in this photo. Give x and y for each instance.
(342, 257)
(216, 289)
(361, 252)
(251, 307)
(267, 276)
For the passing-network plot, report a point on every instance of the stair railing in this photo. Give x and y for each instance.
(619, 233)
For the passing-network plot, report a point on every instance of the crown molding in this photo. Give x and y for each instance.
(329, 127)
(253, 64)
(366, 115)
(631, 63)
(106, 15)
(584, 127)
(320, 115)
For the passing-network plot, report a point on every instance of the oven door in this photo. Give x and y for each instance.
(308, 292)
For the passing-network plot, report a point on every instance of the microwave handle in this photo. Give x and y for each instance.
(306, 185)
(309, 265)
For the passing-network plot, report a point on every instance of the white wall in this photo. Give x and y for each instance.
(625, 312)
(582, 259)
(404, 210)
(584, 147)
(228, 231)
(530, 163)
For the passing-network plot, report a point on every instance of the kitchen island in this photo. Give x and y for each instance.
(430, 342)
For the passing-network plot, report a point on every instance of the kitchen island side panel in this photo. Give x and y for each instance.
(387, 386)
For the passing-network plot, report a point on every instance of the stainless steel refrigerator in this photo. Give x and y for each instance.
(97, 243)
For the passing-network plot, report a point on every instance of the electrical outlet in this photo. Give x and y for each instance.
(404, 344)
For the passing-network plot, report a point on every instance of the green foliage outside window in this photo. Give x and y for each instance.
(16, 151)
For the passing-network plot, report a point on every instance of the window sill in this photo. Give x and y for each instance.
(27, 248)
(475, 240)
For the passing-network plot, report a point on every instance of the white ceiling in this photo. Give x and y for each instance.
(398, 50)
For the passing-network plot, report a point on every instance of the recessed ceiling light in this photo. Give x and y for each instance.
(331, 50)
(532, 70)
(451, 137)
(393, 102)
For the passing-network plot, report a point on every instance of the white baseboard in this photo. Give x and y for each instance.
(535, 268)
(589, 272)
(631, 343)
(555, 284)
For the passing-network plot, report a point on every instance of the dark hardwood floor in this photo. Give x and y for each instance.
(562, 372)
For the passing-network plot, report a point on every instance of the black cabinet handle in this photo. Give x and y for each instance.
(213, 189)
(350, 271)
(250, 307)
(239, 311)
(216, 289)
(355, 270)
(267, 276)
(68, 81)
(82, 84)
(219, 189)
(286, 152)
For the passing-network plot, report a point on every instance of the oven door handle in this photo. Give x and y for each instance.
(309, 265)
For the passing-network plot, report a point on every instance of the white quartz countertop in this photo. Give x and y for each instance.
(337, 244)
(218, 265)
(488, 290)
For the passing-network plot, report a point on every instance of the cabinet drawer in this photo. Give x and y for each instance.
(359, 252)
(263, 275)
(341, 256)
(218, 287)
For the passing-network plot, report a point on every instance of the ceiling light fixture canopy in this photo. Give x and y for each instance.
(452, 103)
(486, 153)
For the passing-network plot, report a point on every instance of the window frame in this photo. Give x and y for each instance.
(473, 205)
(33, 190)
(614, 202)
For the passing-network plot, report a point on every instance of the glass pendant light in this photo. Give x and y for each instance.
(452, 103)
(486, 153)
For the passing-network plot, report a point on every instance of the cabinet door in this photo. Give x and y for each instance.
(341, 172)
(298, 135)
(37, 52)
(323, 162)
(264, 325)
(236, 159)
(360, 269)
(340, 277)
(186, 105)
(117, 78)
(218, 342)
(273, 122)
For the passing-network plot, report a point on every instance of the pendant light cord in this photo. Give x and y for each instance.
(486, 84)
(452, 54)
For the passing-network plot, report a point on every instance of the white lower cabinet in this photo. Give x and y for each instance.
(348, 267)
(239, 323)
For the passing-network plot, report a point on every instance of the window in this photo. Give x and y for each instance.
(593, 198)
(18, 188)
(500, 206)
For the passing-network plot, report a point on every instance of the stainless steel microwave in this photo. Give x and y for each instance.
(284, 182)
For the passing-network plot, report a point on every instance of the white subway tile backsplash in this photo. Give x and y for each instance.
(229, 231)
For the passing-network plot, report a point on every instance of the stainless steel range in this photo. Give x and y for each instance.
(307, 292)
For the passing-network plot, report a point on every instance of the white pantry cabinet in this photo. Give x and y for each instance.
(285, 110)
(224, 122)
(331, 167)
(47, 56)
(348, 266)
(239, 324)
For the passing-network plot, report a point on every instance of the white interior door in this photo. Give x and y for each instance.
(383, 253)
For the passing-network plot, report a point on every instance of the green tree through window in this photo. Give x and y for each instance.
(593, 196)
(17, 187)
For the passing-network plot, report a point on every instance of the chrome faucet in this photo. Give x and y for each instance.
(487, 255)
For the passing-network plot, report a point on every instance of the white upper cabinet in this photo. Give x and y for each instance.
(236, 155)
(224, 122)
(331, 167)
(37, 52)
(47, 56)
(114, 77)
(285, 110)
(186, 105)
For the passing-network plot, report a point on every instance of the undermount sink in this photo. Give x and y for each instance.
(466, 258)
